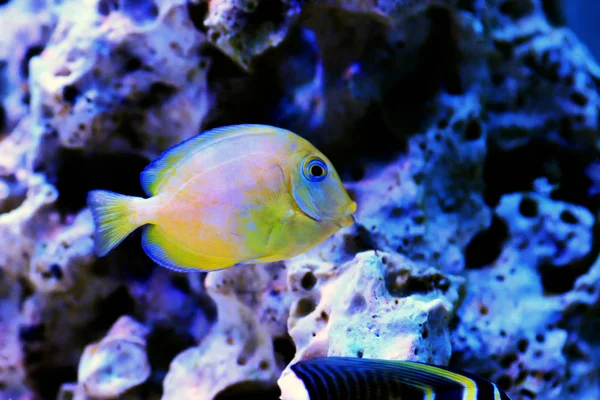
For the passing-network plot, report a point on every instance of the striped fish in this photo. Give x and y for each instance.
(348, 378)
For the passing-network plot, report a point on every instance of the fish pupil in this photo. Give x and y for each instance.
(317, 170)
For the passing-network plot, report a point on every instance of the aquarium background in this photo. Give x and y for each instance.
(466, 130)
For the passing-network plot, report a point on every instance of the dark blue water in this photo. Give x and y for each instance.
(583, 17)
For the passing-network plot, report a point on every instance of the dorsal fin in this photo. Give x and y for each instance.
(155, 173)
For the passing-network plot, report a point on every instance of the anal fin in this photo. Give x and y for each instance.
(167, 253)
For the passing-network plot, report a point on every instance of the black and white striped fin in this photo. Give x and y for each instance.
(347, 378)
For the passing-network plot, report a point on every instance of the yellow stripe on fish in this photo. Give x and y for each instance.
(230, 196)
(371, 379)
(470, 387)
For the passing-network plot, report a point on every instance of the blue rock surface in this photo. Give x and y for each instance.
(468, 132)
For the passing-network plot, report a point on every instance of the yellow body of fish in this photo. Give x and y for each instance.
(234, 195)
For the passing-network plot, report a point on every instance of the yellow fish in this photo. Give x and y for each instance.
(244, 194)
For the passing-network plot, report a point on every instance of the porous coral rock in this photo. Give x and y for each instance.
(63, 255)
(117, 363)
(20, 227)
(237, 350)
(263, 288)
(378, 305)
(406, 206)
(442, 93)
(243, 29)
(12, 370)
(530, 357)
(57, 263)
(165, 301)
(26, 27)
(585, 291)
(545, 82)
(118, 82)
(347, 84)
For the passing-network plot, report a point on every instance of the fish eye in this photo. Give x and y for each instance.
(314, 169)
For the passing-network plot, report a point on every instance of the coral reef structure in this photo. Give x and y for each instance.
(466, 130)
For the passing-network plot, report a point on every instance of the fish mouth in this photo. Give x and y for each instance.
(349, 220)
(351, 208)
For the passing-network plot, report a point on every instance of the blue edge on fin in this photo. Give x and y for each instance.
(154, 251)
(157, 254)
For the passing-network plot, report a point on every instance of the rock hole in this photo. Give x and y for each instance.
(54, 271)
(107, 311)
(163, 344)
(249, 389)
(140, 12)
(70, 94)
(473, 130)
(539, 338)
(214, 36)
(32, 51)
(304, 307)
(403, 284)
(284, 348)
(32, 333)
(508, 360)
(522, 345)
(132, 64)
(568, 217)
(181, 282)
(263, 365)
(360, 240)
(553, 10)
(105, 7)
(324, 316)
(17, 193)
(158, 94)
(485, 247)
(197, 11)
(308, 281)
(46, 381)
(267, 12)
(521, 377)
(515, 170)
(357, 304)
(504, 382)
(528, 207)
(561, 279)
(579, 99)
(517, 9)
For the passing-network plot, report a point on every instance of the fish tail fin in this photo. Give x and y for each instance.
(114, 219)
